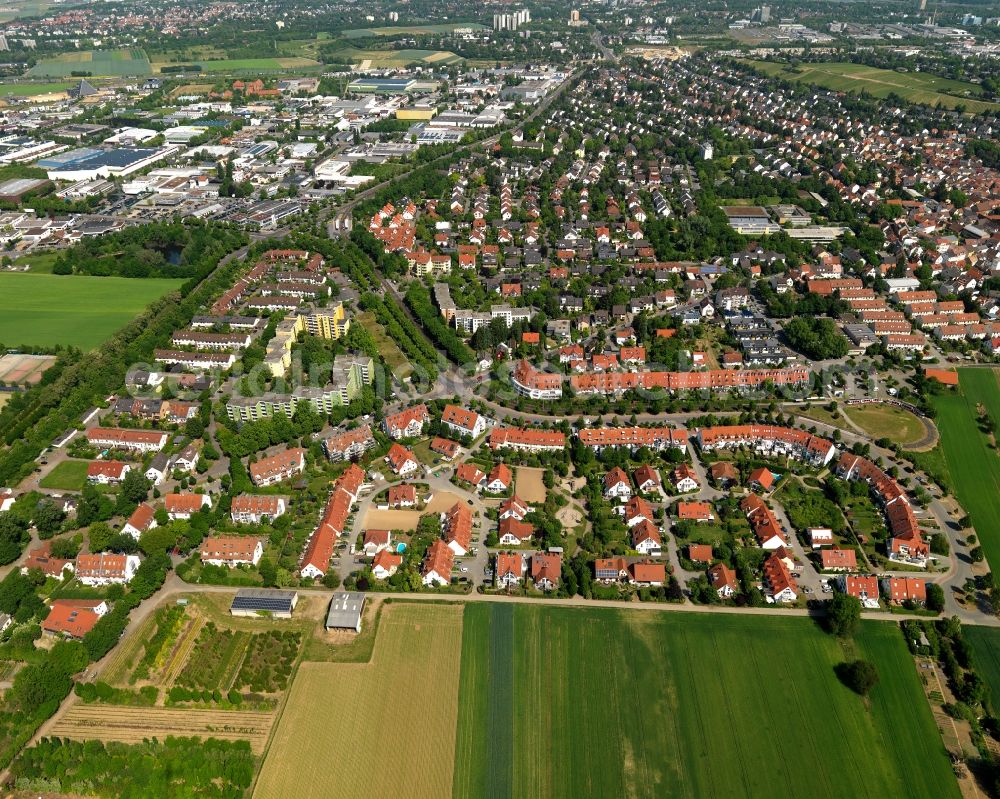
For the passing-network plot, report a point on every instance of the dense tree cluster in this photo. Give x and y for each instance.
(816, 338)
(418, 350)
(177, 768)
(171, 250)
(419, 301)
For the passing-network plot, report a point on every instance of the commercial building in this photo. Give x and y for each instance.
(86, 163)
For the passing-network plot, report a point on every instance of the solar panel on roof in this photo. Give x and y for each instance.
(262, 603)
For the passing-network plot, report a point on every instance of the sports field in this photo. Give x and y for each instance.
(32, 89)
(78, 310)
(413, 30)
(887, 421)
(529, 484)
(376, 519)
(109, 63)
(23, 369)
(378, 729)
(566, 702)
(973, 466)
(917, 87)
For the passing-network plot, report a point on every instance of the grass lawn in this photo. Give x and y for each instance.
(398, 712)
(974, 468)
(887, 421)
(40, 263)
(427, 456)
(67, 476)
(566, 702)
(932, 462)
(388, 349)
(78, 310)
(864, 517)
(709, 533)
(819, 413)
(917, 87)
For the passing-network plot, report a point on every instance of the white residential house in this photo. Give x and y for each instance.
(617, 485)
(820, 537)
(158, 469)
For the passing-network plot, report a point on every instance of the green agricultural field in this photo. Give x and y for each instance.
(99, 63)
(66, 476)
(249, 64)
(973, 467)
(985, 643)
(917, 87)
(568, 702)
(78, 310)
(408, 30)
(24, 8)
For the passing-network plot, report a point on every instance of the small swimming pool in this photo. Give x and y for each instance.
(401, 547)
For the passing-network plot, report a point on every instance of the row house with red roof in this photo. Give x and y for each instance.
(320, 546)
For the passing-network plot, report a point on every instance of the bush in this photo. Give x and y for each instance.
(858, 675)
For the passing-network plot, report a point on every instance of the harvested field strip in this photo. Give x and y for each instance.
(133, 724)
(397, 714)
